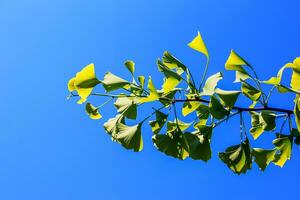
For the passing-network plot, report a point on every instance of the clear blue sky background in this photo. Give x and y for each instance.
(49, 148)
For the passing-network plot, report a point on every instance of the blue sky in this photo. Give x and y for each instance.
(50, 149)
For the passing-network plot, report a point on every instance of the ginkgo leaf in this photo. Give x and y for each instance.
(228, 98)
(275, 80)
(130, 136)
(153, 96)
(297, 111)
(129, 64)
(284, 146)
(216, 109)
(199, 146)
(238, 158)
(203, 114)
(236, 63)
(172, 144)
(112, 82)
(92, 111)
(127, 106)
(295, 81)
(84, 82)
(157, 125)
(190, 106)
(172, 126)
(250, 91)
(198, 44)
(172, 79)
(142, 81)
(211, 83)
(263, 157)
(264, 121)
(111, 125)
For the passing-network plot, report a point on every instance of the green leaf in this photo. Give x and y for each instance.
(112, 82)
(153, 96)
(203, 114)
(84, 82)
(211, 83)
(264, 121)
(263, 157)
(142, 81)
(297, 111)
(127, 106)
(216, 109)
(190, 106)
(129, 64)
(250, 91)
(172, 126)
(284, 145)
(166, 98)
(111, 125)
(199, 146)
(92, 111)
(236, 63)
(172, 144)
(157, 125)
(198, 44)
(172, 78)
(238, 158)
(130, 136)
(228, 98)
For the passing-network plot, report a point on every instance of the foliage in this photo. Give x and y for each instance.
(209, 104)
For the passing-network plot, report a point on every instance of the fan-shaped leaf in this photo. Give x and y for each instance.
(198, 44)
(228, 98)
(130, 136)
(216, 109)
(264, 121)
(129, 64)
(263, 157)
(284, 145)
(112, 82)
(153, 96)
(211, 83)
(157, 125)
(127, 106)
(92, 111)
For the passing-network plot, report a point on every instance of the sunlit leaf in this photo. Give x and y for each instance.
(92, 111)
(129, 64)
(172, 79)
(142, 81)
(236, 63)
(284, 145)
(127, 106)
(153, 96)
(84, 82)
(172, 126)
(211, 83)
(297, 111)
(190, 106)
(157, 125)
(228, 98)
(250, 91)
(238, 158)
(295, 81)
(112, 82)
(216, 109)
(263, 157)
(111, 125)
(277, 79)
(130, 136)
(198, 44)
(263, 121)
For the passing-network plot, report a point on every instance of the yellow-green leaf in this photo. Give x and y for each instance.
(297, 111)
(236, 63)
(295, 81)
(198, 44)
(129, 64)
(153, 96)
(263, 157)
(112, 82)
(111, 125)
(250, 91)
(172, 126)
(284, 146)
(92, 111)
(216, 109)
(228, 98)
(190, 106)
(157, 125)
(130, 136)
(264, 121)
(84, 82)
(127, 106)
